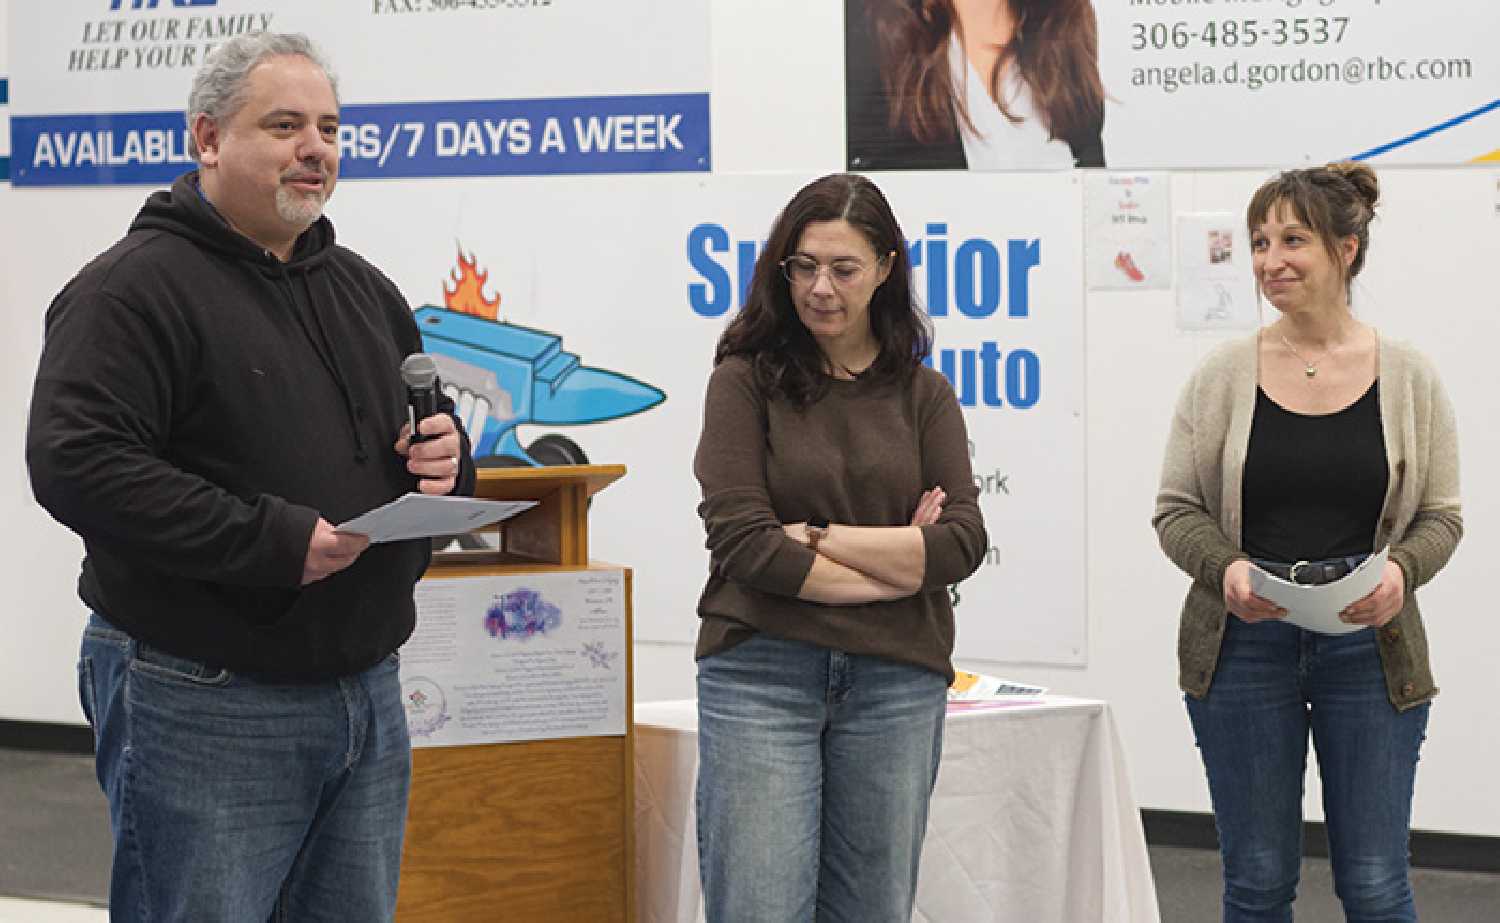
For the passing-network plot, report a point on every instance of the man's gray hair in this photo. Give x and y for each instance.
(219, 86)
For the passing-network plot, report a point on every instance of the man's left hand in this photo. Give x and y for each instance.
(1383, 602)
(435, 459)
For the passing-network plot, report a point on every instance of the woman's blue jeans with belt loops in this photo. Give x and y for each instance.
(1274, 684)
(238, 801)
(815, 771)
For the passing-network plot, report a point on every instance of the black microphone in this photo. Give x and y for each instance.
(420, 374)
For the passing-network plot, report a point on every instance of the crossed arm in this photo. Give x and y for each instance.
(861, 564)
(942, 542)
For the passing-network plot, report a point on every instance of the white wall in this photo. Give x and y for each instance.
(777, 78)
(1433, 278)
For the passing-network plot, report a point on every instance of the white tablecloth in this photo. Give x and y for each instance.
(1032, 819)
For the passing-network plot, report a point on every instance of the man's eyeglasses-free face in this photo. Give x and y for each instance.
(802, 271)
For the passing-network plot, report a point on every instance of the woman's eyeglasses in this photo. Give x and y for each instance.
(802, 271)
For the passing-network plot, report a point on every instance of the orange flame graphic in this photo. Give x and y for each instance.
(467, 294)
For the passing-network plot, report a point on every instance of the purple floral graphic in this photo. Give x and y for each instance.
(521, 614)
(597, 656)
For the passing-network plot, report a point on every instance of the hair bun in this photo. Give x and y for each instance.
(1361, 177)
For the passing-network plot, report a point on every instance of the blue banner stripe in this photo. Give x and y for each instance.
(1427, 132)
(611, 134)
(85, 150)
(4, 91)
(533, 137)
(5, 169)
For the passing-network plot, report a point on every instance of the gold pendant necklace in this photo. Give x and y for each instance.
(1309, 369)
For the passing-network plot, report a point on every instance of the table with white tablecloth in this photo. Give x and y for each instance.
(1032, 819)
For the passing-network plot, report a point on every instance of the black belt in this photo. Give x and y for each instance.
(1312, 573)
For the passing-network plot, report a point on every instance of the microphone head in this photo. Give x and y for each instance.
(418, 371)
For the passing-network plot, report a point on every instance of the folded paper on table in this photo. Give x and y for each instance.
(1317, 608)
(975, 687)
(424, 516)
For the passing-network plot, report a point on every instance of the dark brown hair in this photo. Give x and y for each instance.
(1055, 49)
(1336, 201)
(768, 332)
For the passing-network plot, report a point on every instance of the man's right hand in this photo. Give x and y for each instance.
(330, 552)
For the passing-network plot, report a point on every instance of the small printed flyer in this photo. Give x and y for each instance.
(1215, 289)
(1128, 228)
(516, 657)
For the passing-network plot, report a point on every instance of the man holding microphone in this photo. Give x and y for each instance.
(215, 391)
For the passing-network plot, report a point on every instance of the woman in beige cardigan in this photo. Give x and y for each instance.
(1300, 451)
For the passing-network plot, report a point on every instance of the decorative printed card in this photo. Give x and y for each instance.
(516, 657)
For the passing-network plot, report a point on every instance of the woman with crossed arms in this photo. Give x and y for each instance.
(839, 506)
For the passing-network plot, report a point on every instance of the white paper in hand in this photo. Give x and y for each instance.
(424, 516)
(1317, 608)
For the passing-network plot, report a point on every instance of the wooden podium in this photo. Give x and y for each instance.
(534, 830)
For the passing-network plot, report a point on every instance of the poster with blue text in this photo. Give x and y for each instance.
(540, 264)
(428, 87)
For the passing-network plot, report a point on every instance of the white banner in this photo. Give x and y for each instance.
(1216, 83)
(430, 87)
(1001, 273)
(632, 284)
(1160, 84)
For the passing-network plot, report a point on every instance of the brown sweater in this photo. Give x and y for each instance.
(862, 455)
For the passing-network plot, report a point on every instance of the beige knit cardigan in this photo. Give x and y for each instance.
(1198, 515)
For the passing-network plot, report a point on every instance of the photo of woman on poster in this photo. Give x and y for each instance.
(976, 84)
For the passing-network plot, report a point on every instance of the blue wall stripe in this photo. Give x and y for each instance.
(4, 91)
(1429, 132)
(4, 169)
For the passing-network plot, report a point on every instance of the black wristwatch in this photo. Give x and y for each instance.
(817, 530)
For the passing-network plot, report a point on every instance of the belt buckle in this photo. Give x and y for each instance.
(1291, 574)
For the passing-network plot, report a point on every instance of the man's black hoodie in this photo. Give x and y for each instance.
(198, 406)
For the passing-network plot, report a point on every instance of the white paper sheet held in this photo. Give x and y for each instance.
(1317, 608)
(424, 516)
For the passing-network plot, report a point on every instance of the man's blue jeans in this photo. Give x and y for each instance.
(815, 770)
(1274, 684)
(237, 800)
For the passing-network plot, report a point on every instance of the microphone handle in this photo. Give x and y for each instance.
(421, 403)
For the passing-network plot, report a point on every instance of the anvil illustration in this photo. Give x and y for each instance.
(502, 375)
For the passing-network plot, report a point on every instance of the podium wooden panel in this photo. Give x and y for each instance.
(534, 830)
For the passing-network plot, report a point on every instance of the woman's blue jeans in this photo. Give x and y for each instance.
(236, 800)
(815, 770)
(1275, 683)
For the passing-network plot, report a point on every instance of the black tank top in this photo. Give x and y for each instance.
(1313, 484)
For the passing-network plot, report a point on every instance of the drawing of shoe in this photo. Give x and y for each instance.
(1225, 306)
(1125, 264)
